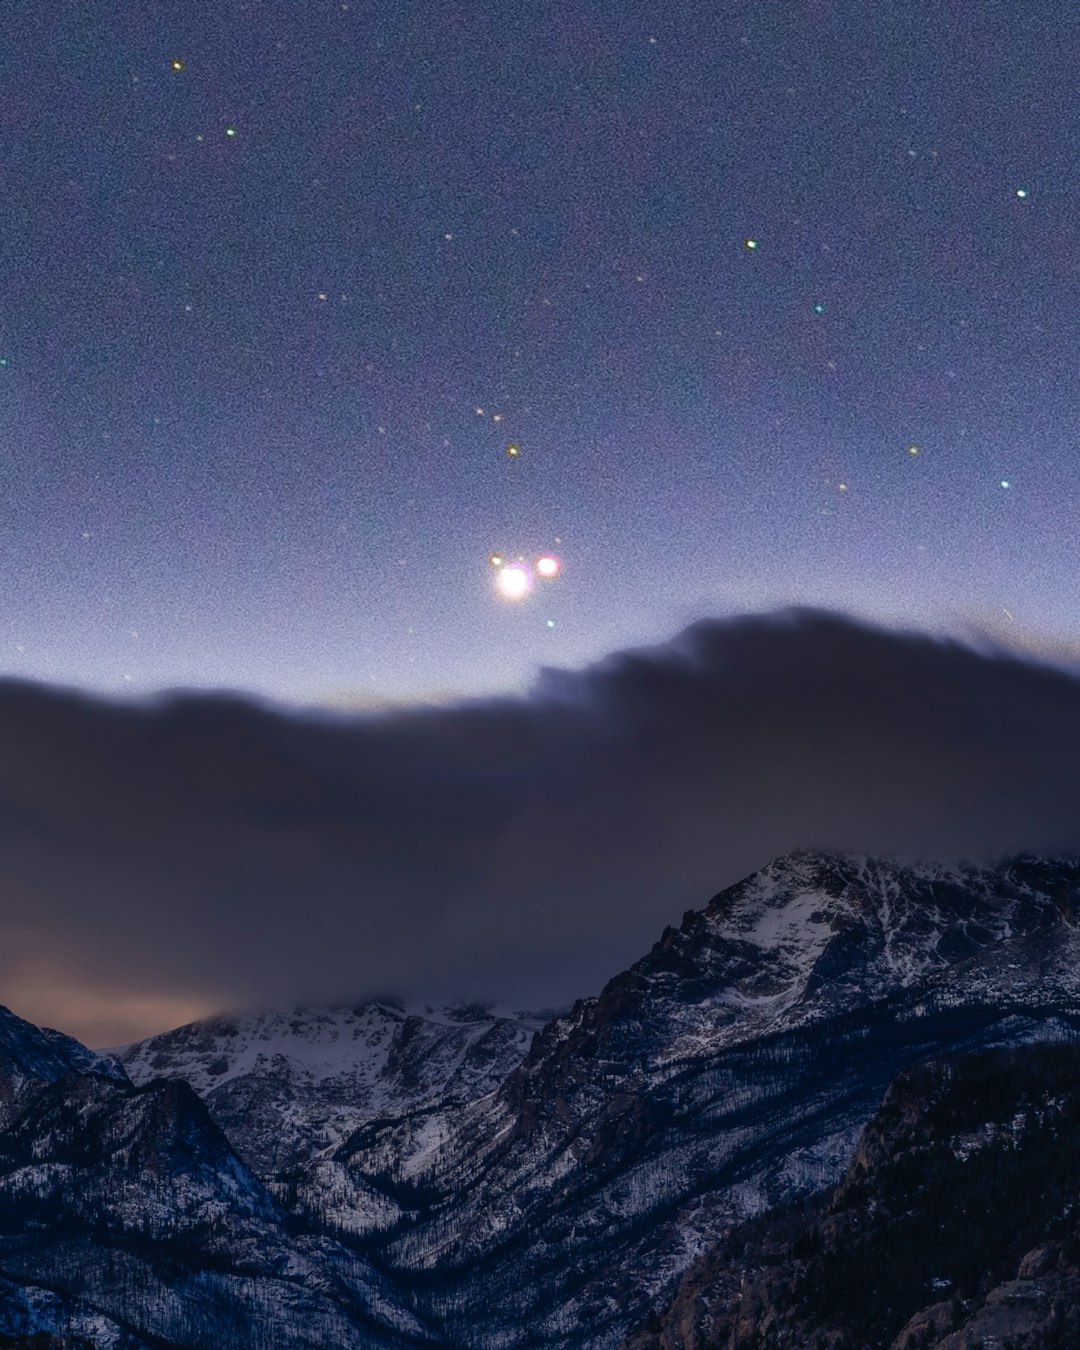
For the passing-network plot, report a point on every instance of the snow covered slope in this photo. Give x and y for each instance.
(128, 1222)
(289, 1087)
(955, 1226)
(728, 1070)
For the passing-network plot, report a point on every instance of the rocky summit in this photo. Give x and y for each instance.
(389, 1176)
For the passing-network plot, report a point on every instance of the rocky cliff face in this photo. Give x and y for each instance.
(957, 1224)
(409, 1178)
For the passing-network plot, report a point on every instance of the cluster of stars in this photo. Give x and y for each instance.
(515, 578)
(177, 65)
(914, 451)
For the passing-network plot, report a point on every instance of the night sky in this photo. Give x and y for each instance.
(601, 446)
(775, 303)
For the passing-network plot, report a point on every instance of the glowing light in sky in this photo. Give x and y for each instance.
(547, 566)
(514, 582)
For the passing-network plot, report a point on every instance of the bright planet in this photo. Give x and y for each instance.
(514, 582)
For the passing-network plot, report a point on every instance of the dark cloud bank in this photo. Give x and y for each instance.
(203, 851)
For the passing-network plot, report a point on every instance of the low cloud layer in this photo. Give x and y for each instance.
(159, 861)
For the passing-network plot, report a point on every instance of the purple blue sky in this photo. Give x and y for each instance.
(251, 306)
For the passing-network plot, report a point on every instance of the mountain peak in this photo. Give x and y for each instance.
(31, 1055)
(815, 923)
(815, 934)
(347, 1065)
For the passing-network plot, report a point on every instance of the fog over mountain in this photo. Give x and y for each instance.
(160, 860)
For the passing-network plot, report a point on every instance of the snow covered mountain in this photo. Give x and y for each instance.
(290, 1087)
(414, 1177)
(727, 1071)
(128, 1221)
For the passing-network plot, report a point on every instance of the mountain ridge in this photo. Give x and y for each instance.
(292, 1086)
(559, 1190)
(626, 1131)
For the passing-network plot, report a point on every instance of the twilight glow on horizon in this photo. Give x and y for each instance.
(311, 312)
